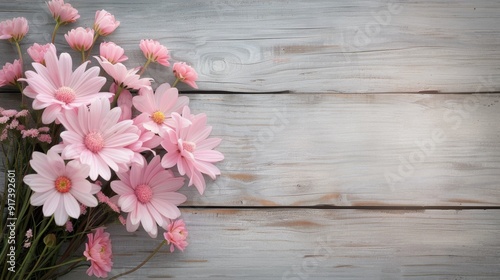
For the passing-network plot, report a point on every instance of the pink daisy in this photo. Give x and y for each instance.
(155, 52)
(95, 137)
(159, 106)
(176, 235)
(59, 187)
(10, 73)
(148, 194)
(185, 73)
(98, 251)
(112, 52)
(62, 12)
(105, 23)
(122, 76)
(14, 29)
(189, 148)
(56, 88)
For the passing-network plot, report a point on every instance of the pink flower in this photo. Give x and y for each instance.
(148, 194)
(123, 77)
(95, 137)
(187, 146)
(112, 52)
(37, 52)
(10, 73)
(124, 102)
(9, 113)
(56, 88)
(105, 23)
(59, 187)
(155, 52)
(4, 119)
(159, 106)
(22, 113)
(80, 39)
(99, 252)
(185, 73)
(68, 226)
(14, 29)
(45, 138)
(62, 12)
(29, 233)
(176, 235)
(33, 133)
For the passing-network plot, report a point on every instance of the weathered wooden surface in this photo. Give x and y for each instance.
(353, 150)
(323, 244)
(316, 146)
(304, 46)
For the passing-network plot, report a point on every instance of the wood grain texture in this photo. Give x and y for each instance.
(353, 150)
(321, 244)
(314, 46)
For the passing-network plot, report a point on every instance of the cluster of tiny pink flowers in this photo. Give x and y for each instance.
(28, 236)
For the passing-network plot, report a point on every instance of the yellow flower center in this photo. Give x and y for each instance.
(158, 117)
(62, 184)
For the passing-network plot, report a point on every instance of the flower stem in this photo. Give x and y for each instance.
(96, 35)
(66, 263)
(55, 31)
(117, 94)
(144, 67)
(83, 56)
(142, 263)
(176, 82)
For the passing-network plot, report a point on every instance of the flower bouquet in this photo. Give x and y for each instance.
(77, 157)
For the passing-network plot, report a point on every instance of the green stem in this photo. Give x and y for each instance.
(63, 264)
(176, 82)
(55, 31)
(144, 67)
(37, 262)
(117, 94)
(34, 245)
(83, 56)
(142, 263)
(18, 47)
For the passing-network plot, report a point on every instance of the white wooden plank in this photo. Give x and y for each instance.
(354, 150)
(320, 244)
(304, 46)
(346, 150)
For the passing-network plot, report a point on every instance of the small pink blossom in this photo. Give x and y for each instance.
(32, 133)
(59, 186)
(29, 233)
(22, 113)
(9, 113)
(176, 235)
(44, 129)
(189, 148)
(10, 73)
(62, 12)
(112, 52)
(45, 138)
(105, 23)
(37, 52)
(104, 199)
(4, 119)
(185, 73)
(80, 39)
(20, 127)
(159, 106)
(99, 252)
(122, 220)
(155, 52)
(14, 29)
(122, 76)
(27, 244)
(83, 209)
(68, 226)
(13, 124)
